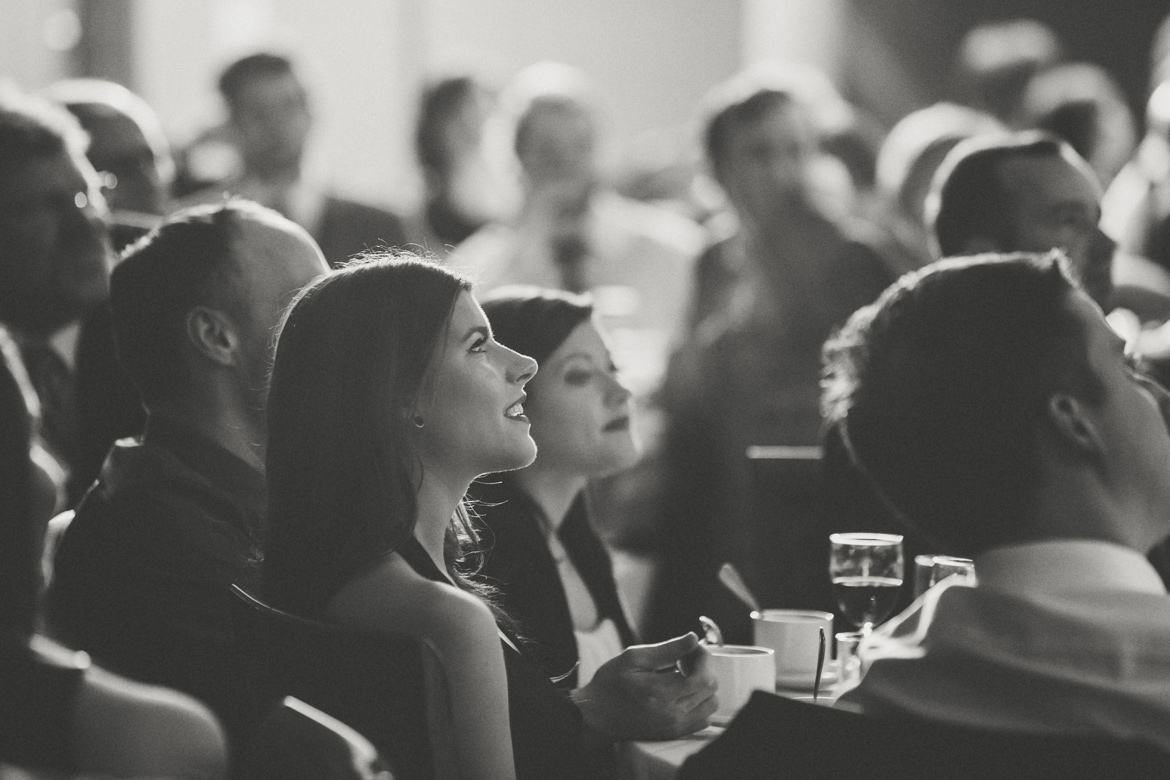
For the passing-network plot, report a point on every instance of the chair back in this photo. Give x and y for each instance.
(777, 737)
(298, 742)
(372, 682)
(790, 550)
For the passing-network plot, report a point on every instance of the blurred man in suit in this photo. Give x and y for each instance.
(269, 124)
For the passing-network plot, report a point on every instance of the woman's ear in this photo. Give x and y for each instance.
(1073, 425)
(213, 335)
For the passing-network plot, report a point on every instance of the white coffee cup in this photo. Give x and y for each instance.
(740, 669)
(795, 637)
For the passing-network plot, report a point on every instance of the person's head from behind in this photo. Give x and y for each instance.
(759, 141)
(127, 145)
(916, 146)
(976, 387)
(556, 125)
(386, 377)
(581, 413)
(195, 304)
(1024, 192)
(1081, 103)
(269, 112)
(54, 251)
(996, 60)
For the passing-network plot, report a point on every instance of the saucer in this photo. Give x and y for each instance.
(804, 680)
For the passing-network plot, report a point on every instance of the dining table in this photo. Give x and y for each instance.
(661, 759)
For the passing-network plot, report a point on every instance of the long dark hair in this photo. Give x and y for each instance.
(353, 354)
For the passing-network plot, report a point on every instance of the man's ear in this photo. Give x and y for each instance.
(213, 335)
(1072, 424)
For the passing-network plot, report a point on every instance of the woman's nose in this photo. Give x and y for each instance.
(522, 369)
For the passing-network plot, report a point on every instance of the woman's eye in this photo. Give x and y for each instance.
(578, 377)
(480, 345)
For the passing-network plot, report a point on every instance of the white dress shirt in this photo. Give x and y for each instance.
(1067, 636)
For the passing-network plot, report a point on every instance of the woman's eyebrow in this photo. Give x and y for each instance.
(480, 330)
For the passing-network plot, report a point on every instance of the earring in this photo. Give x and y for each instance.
(418, 421)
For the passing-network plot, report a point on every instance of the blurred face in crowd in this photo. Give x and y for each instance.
(582, 415)
(765, 162)
(557, 144)
(473, 418)
(54, 252)
(281, 258)
(119, 148)
(1056, 204)
(271, 117)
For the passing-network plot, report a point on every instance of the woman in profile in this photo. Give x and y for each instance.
(388, 397)
(58, 712)
(554, 573)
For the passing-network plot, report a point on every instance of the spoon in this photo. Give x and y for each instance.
(820, 665)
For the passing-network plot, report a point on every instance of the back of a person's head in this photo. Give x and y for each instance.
(121, 126)
(915, 138)
(534, 321)
(1081, 103)
(188, 261)
(236, 76)
(938, 387)
(352, 357)
(995, 62)
(968, 199)
(34, 128)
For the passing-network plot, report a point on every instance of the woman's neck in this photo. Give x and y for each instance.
(437, 502)
(553, 492)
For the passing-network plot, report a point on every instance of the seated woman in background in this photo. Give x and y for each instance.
(57, 711)
(388, 397)
(554, 574)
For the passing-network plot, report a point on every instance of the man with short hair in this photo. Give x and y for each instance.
(142, 574)
(992, 408)
(54, 251)
(1023, 192)
(270, 120)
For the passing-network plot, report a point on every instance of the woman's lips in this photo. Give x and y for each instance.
(620, 424)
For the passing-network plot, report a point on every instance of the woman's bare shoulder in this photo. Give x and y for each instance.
(392, 597)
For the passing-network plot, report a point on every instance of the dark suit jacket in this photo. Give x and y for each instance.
(519, 561)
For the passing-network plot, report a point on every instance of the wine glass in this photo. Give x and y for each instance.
(867, 571)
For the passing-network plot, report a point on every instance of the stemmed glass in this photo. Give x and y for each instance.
(867, 571)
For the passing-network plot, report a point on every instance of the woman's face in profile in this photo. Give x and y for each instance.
(582, 415)
(473, 420)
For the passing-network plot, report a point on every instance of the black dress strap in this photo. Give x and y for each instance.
(413, 553)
